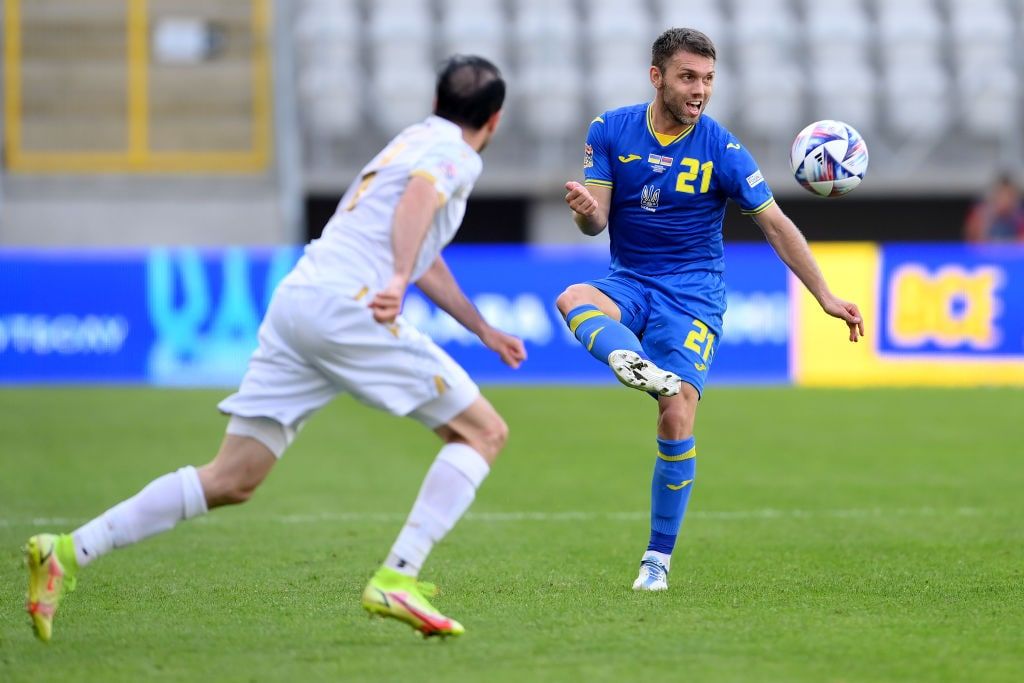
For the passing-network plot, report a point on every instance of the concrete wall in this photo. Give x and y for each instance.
(122, 211)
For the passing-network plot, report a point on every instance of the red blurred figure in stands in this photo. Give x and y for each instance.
(999, 216)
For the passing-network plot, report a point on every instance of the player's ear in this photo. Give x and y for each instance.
(655, 76)
(493, 121)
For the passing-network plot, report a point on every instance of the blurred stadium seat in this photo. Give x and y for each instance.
(616, 37)
(400, 34)
(994, 93)
(844, 92)
(474, 27)
(766, 33)
(889, 68)
(910, 32)
(703, 15)
(328, 31)
(941, 78)
(771, 100)
(918, 100)
(546, 35)
(552, 99)
(330, 81)
(401, 94)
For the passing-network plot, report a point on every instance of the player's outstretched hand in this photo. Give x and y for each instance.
(509, 348)
(579, 199)
(387, 303)
(848, 312)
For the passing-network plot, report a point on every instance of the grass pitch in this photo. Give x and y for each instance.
(832, 536)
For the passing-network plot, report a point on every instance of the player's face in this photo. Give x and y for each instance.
(685, 85)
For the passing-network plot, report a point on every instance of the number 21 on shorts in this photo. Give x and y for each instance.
(701, 341)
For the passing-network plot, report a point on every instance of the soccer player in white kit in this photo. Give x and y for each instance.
(334, 326)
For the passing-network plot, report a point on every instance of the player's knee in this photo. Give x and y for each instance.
(495, 436)
(491, 438)
(676, 419)
(675, 424)
(573, 296)
(500, 434)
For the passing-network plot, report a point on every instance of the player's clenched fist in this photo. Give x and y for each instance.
(387, 303)
(579, 199)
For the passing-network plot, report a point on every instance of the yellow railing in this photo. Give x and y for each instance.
(138, 153)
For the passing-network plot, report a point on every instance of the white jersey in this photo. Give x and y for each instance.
(355, 249)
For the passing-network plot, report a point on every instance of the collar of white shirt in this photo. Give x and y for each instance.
(445, 126)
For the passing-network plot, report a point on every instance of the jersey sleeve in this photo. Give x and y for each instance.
(596, 155)
(448, 167)
(743, 181)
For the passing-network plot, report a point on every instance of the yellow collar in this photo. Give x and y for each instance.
(663, 139)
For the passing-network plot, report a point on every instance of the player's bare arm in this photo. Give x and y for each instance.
(441, 287)
(589, 206)
(413, 214)
(790, 245)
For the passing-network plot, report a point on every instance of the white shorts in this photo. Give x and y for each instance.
(316, 343)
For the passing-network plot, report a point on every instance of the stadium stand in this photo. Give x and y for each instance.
(935, 86)
(73, 52)
(130, 123)
(892, 69)
(331, 77)
(474, 27)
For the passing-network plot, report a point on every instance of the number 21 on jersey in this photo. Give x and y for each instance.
(691, 169)
(701, 341)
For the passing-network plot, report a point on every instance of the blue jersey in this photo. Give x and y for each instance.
(668, 200)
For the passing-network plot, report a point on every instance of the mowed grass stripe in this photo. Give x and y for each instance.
(545, 517)
(833, 535)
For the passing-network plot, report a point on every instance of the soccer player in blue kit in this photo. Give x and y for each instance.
(658, 176)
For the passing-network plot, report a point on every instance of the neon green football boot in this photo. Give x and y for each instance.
(393, 594)
(51, 570)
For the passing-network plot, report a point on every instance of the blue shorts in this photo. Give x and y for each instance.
(678, 318)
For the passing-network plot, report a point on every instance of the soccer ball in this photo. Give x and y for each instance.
(829, 158)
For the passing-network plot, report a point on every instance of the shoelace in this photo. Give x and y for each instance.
(655, 570)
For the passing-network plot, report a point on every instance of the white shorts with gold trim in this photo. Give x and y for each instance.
(316, 343)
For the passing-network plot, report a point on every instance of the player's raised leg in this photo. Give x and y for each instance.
(674, 471)
(241, 464)
(473, 440)
(594, 319)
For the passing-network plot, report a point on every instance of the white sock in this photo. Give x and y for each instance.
(163, 503)
(446, 493)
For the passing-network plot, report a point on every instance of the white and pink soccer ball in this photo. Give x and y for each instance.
(829, 158)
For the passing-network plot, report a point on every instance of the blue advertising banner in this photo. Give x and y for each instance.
(72, 316)
(952, 301)
(189, 317)
(756, 329)
(183, 316)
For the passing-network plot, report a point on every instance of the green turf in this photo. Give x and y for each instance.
(833, 536)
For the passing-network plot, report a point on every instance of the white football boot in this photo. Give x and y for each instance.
(653, 575)
(637, 373)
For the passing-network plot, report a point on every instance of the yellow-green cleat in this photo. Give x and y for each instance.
(51, 570)
(393, 594)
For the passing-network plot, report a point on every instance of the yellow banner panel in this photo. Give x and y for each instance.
(822, 356)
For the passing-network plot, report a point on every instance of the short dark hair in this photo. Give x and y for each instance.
(680, 39)
(470, 90)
